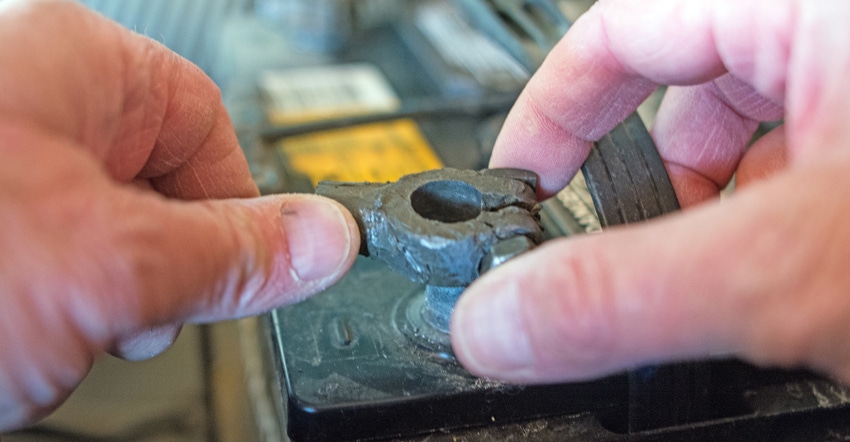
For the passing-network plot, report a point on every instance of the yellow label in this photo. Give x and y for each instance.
(376, 152)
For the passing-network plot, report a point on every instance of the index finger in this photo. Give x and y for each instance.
(139, 109)
(192, 148)
(615, 56)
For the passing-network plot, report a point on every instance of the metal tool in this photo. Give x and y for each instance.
(435, 227)
(443, 228)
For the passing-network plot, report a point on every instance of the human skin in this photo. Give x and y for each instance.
(127, 207)
(761, 275)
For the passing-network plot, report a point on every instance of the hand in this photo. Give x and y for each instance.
(102, 132)
(762, 275)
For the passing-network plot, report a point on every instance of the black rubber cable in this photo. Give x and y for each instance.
(629, 183)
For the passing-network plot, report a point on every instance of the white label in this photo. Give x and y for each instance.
(324, 91)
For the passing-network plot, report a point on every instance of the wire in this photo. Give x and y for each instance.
(429, 107)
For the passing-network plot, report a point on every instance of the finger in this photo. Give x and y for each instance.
(227, 259)
(579, 93)
(703, 131)
(133, 104)
(611, 57)
(581, 308)
(766, 157)
(818, 98)
(195, 152)
(138, 260)
(87, 264)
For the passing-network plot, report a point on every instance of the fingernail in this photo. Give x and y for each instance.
(489, 335)
(318, 236)
(146, 343)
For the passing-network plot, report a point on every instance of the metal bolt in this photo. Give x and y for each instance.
(439, 303)
(503, 251)
(440, 300)
(442, 228)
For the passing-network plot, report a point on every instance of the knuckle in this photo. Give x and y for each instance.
(242, 263)
(803, 317)
(809, 326)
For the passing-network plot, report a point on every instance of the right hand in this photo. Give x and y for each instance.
(762, 276)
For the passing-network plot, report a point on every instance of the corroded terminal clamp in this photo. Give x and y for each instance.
(440, 227)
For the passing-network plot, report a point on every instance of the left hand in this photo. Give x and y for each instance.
(127, 208)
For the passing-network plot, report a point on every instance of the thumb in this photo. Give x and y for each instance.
(213, 260)
(225, 259)
(761, 276)
(87, 263)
